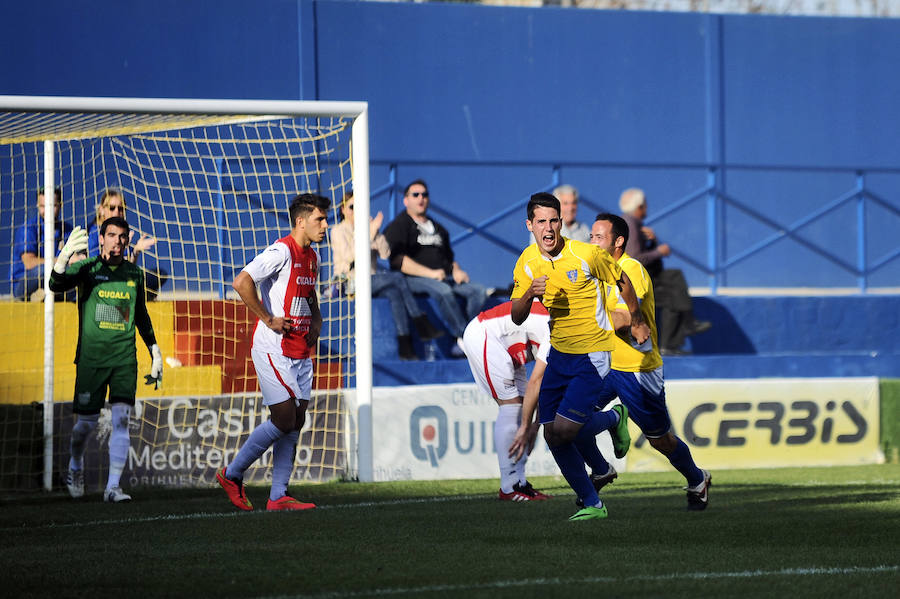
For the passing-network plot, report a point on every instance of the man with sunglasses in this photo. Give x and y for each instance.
(420, 249)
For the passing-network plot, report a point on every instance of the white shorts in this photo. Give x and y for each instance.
(282, 378)
(492, 366)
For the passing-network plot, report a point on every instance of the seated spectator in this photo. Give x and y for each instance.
(674, 306)
(568, 212)
(27, 275)
(420, 248)
(388, 284)
(112, 203)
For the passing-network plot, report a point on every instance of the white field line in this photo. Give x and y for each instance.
(236, 513)
(551, 582)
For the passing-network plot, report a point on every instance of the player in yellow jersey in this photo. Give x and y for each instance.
(637, 373)
(569, 278)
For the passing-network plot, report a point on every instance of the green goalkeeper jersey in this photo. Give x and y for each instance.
(111, 306)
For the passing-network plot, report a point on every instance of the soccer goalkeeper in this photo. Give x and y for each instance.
(110, 306)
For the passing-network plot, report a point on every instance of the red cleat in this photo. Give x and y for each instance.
(286, 502)
(235, 491)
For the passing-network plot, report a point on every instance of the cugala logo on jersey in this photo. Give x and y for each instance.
(306, 280)
(572, 274)
(428, 433)
(120, 295)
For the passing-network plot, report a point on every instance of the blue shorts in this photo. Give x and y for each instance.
(571, 385)
(644, 394)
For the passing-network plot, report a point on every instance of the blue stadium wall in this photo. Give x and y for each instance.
(767, 145)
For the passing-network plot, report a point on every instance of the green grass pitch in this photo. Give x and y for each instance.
(792, 532)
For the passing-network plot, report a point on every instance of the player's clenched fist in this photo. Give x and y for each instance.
(539, 286)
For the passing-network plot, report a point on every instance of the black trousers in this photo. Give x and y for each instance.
(674, 308)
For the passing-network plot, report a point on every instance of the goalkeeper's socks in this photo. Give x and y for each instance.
(505, 428)
(283, 452)
(80, 432)
(257, 443)
(119, 442)
(683, 461)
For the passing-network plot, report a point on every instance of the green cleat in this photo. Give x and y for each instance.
(621, 438)
(590, 513)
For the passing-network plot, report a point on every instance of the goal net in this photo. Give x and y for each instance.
(206, 185)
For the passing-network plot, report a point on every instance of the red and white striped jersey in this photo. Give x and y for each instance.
(286, 276)
(525, 342)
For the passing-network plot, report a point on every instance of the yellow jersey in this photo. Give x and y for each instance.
(631, 357)
(575, 295)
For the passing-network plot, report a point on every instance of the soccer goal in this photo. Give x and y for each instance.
(210, 181)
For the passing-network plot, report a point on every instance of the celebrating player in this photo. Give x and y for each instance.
(110, 307)
(287, 330)
(637, 373)
(568, 276)
(498, 350)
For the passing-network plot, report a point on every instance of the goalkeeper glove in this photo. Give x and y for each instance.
(77, 242)
(155, 376)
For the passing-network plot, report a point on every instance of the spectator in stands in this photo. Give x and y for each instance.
(388, 284)
(27, 274)
(420, 248)
(675, 310)
(112, 203)
(568, 204)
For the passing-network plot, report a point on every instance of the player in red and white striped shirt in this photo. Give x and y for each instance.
(498, 350)
(286, 332)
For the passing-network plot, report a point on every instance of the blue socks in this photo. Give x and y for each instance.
(587, 447)
(683, 462)
(571, 464)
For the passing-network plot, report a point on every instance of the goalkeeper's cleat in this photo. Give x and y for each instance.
(115, 495)
(590, 513)
(621, 438)
(235, 491)
(288, 503)
(599, 481)
(531, 491)
(698, 497)
(75, 483)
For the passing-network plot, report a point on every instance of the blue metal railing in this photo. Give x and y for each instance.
(716, 265)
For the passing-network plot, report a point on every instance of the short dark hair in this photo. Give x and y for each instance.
(416, 182)
(619, 226)
(57, 191)
(305, 203)
(542, 198)
(116, 221)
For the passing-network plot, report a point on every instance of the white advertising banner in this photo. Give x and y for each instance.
(432, 432)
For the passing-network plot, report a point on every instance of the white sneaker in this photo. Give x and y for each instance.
(115, 495)
(75, 483)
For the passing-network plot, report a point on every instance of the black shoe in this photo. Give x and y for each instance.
(700, 326)
(426, 330)
(405, 348)
(672, 351)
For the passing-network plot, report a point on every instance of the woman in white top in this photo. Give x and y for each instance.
(389, 284)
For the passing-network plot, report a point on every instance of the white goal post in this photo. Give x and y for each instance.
(52, 120)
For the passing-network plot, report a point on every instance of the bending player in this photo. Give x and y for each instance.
(637, 373)
(286, 332)
(110, 307)
(498, 350)
(568, 276)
